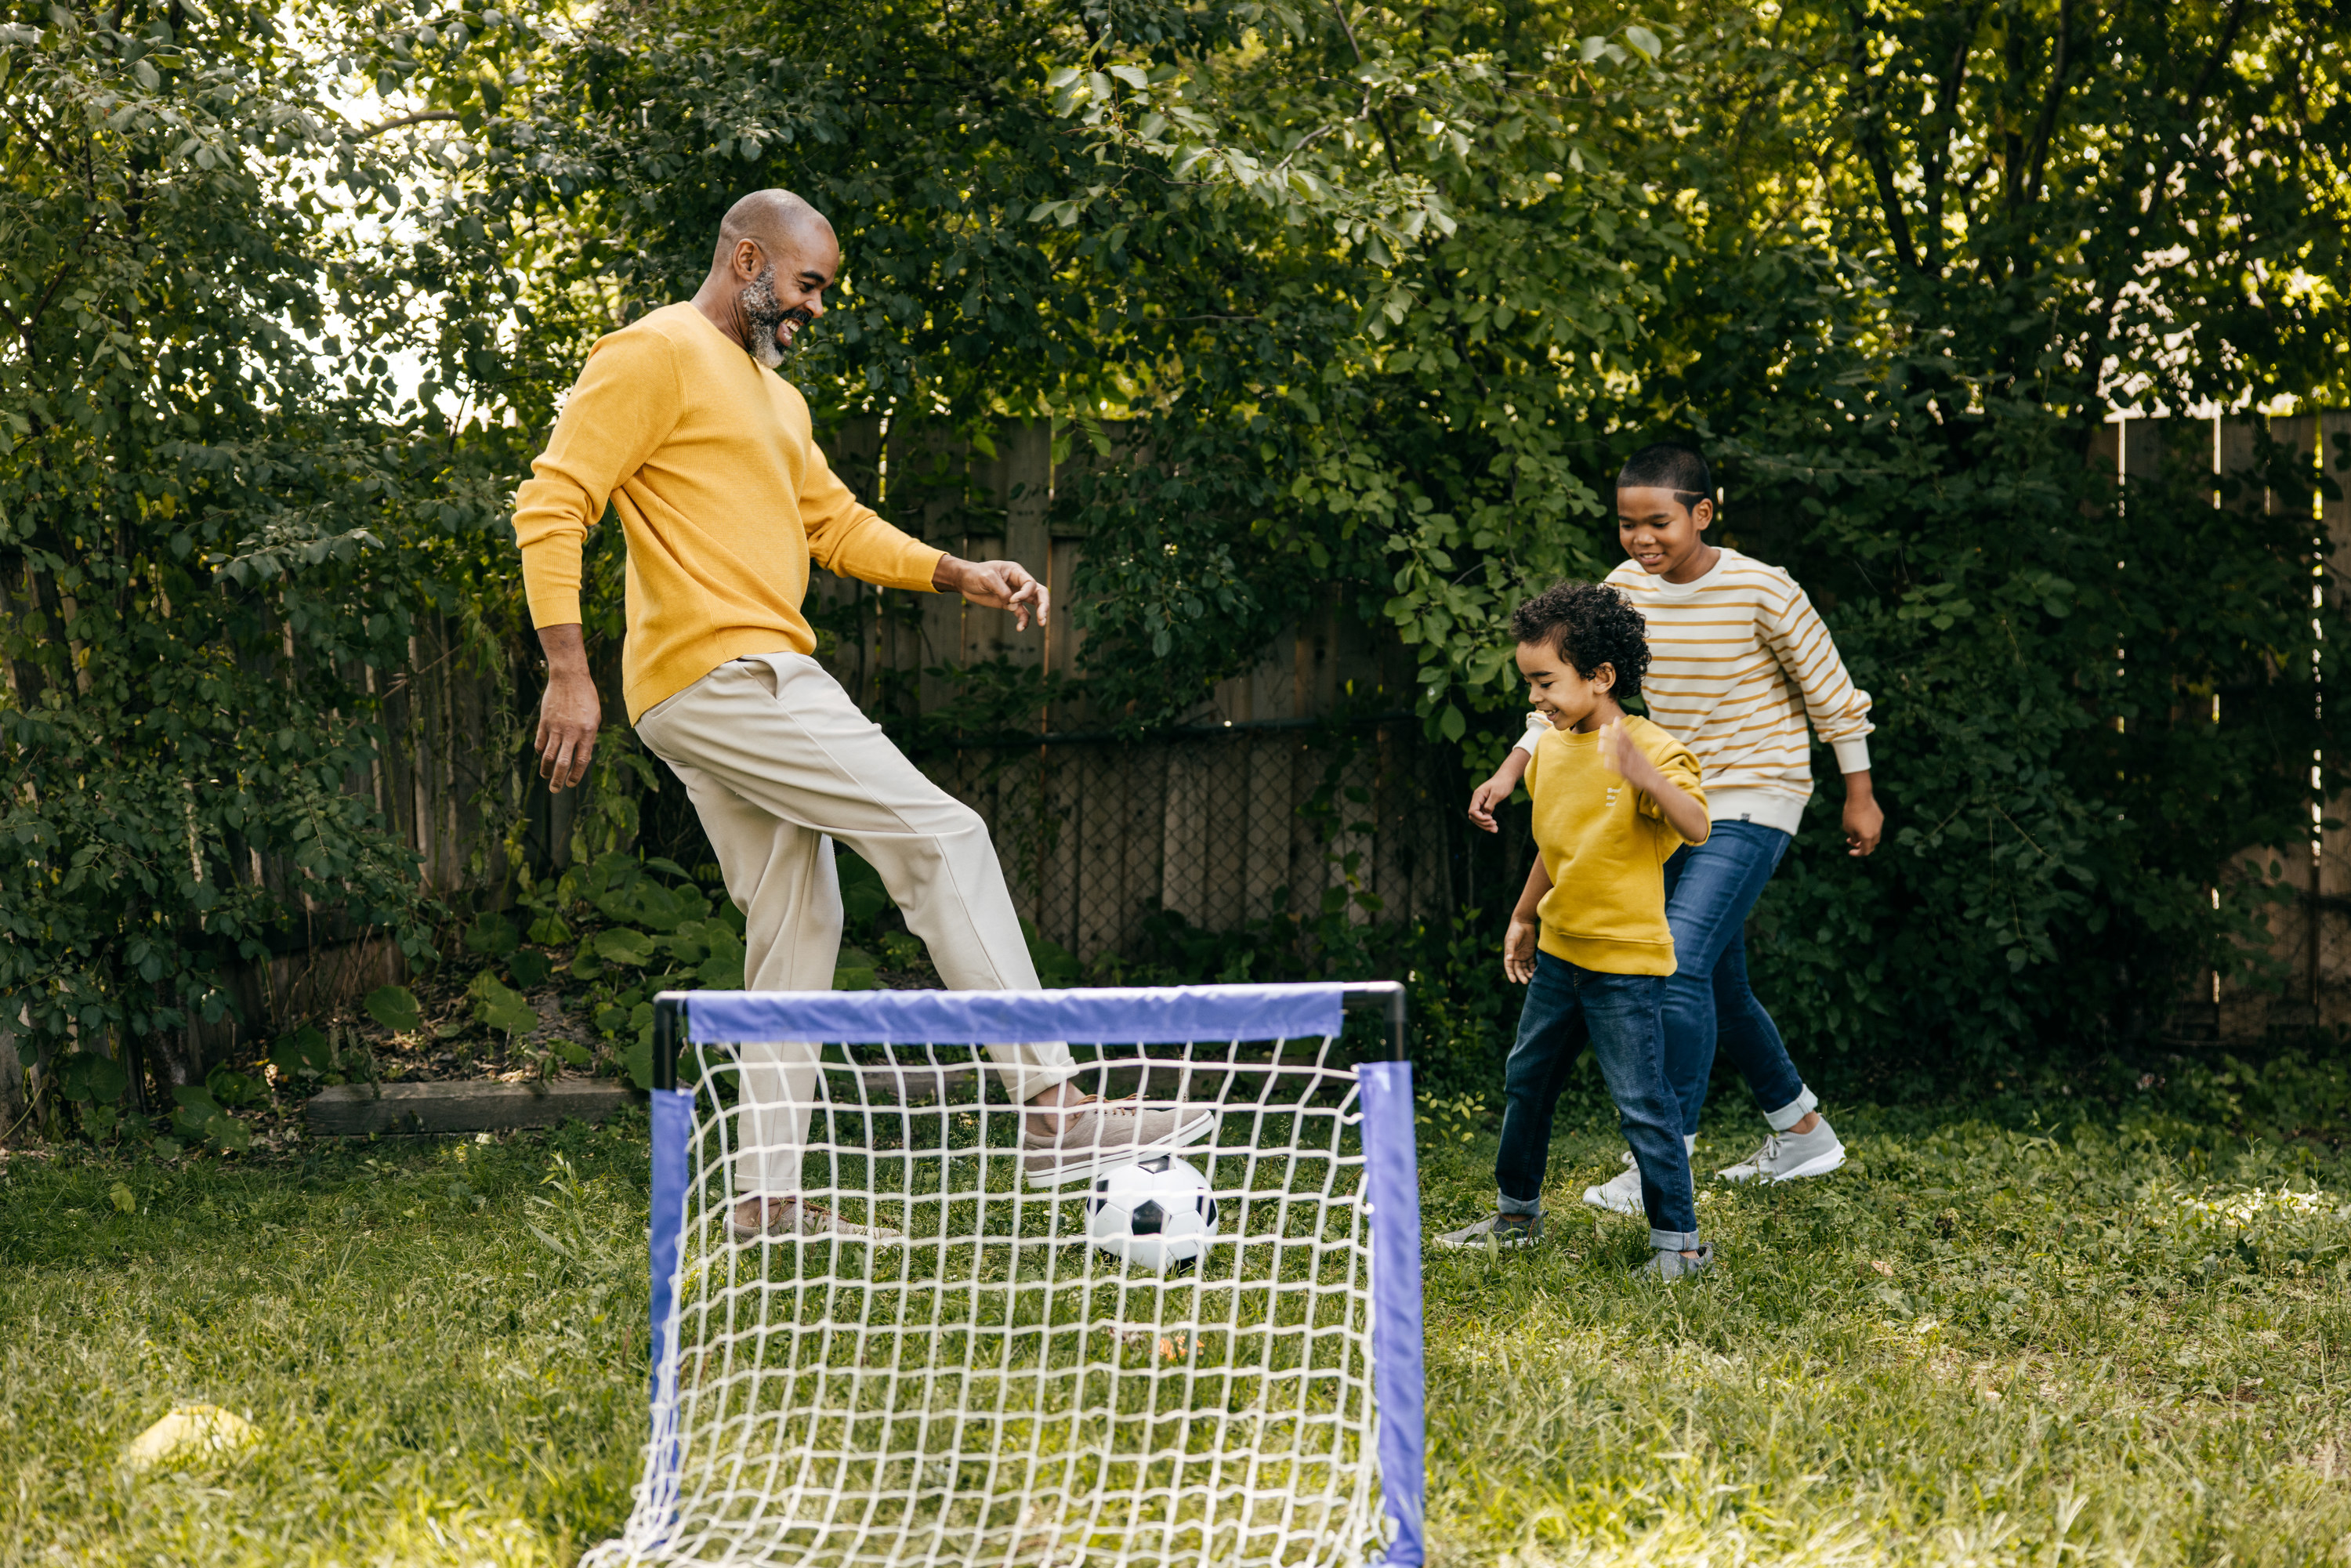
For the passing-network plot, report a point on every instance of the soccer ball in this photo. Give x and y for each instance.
(1157, 1214)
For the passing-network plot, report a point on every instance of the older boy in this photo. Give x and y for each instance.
(1614, 796)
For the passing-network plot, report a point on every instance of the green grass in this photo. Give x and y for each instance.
(434, 1382)
(2061, 1361)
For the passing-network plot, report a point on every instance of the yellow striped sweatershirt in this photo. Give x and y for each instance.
(1738, 660)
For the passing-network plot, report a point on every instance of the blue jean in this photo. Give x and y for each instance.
(1710, 888)
(1566, 1007)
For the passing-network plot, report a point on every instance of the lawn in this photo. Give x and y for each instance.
(2035, 1330)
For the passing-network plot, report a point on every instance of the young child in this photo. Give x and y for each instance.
(1614, 796)
(1741, 661)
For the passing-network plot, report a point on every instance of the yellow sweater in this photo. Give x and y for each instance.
(1606, 845)
(724, 497)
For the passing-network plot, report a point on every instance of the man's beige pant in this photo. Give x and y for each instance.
(777, 762)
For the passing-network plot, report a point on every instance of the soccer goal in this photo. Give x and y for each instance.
(993, 1373)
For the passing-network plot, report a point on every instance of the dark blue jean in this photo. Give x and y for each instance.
(1710, 888)
(1617, 1015)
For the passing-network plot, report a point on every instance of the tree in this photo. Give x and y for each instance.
(219, 516)
(1931, 245)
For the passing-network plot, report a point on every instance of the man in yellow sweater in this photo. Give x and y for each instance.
(679, 424)
(1614, 796)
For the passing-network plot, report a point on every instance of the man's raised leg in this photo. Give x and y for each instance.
(779, 732)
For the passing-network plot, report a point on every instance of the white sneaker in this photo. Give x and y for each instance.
(1785, 1157)
(1620, 1194)
(786, 1218)
(1096, 1133)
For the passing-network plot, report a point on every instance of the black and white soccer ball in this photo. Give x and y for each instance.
(1157, 1214)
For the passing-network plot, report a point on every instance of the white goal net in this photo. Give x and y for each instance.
(939, 1359)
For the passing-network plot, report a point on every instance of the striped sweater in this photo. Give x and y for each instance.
(1738, 660)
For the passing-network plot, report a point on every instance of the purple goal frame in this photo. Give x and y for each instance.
(1107, 1015)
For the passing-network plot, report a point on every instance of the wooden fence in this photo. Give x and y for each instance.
(2311, 930)
(1294, 779)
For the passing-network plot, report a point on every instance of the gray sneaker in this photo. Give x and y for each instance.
(1620, 1194)
(1499, 1232)
(1098, 1132)
(790, 1218)
(1670, 1266)
(1785, 1157)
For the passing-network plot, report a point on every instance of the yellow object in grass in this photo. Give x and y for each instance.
(187, 1429)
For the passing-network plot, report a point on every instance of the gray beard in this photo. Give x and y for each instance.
(763, 313)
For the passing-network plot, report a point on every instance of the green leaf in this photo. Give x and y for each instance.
(622, 945)
(107, 1079)
(529, 969)
(493, 936)
(649, 903)
(125, 1200)
(639, 1061)
(722, 972)
(395, 1007)
(232, 1089)
(226, 1132)
(1643, 41)
(1056, 967)
(196, 1111)
(862, 894)
(305, 1052)
(502, 1008)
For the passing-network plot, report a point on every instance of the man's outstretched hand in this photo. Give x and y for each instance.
(997, 584)
(570, 712)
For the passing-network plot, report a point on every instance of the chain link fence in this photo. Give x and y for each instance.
(1224, 830)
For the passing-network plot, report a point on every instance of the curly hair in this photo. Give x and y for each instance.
(1589, 624)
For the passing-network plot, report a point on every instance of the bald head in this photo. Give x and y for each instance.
(775, 258)
(775, 221)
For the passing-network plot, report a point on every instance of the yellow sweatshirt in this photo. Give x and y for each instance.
(724, 499)
(1606, 845)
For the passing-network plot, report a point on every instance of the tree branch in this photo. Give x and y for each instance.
(1387, 137)
(1947, 114)
(2042, 133)
(1869, 133)
(407, 119)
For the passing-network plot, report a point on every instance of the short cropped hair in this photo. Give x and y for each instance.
(1589, 624)
(1668, 466)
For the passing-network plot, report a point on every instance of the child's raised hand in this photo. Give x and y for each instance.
(1626, 761)
(1613, 745)
(1518, 950)
(1484, 799)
